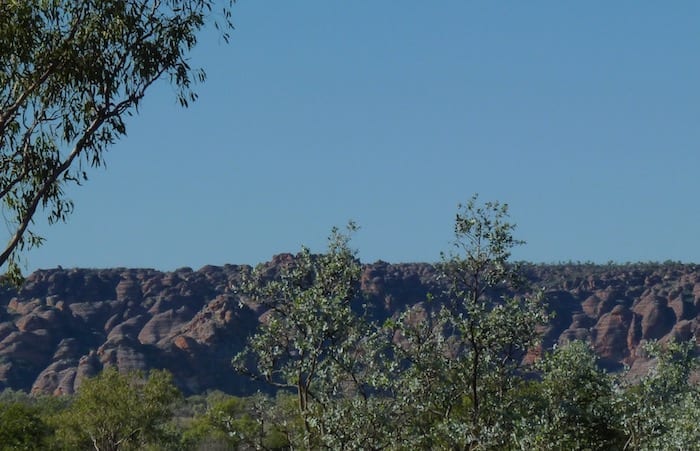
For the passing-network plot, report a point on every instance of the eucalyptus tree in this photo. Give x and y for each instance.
(70, 73)
(315, 341)
(462, 357)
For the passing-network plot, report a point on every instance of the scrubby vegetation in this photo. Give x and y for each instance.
(463, 370)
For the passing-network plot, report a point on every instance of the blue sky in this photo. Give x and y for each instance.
(582, 116)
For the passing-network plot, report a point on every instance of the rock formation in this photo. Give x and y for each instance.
(62, 326)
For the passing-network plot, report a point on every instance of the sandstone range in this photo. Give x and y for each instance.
(64, 325)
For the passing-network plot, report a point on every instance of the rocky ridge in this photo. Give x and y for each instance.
(64, 325)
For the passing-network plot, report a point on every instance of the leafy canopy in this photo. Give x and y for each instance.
(119, 411)
(70, 73)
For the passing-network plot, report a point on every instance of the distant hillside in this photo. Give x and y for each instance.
(64, 325)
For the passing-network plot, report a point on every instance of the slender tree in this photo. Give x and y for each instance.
(462, 359)
(313, 340)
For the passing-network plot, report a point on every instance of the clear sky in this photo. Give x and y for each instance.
(583, 116)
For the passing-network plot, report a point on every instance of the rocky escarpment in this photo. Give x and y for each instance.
(618, 308)
(65, 325)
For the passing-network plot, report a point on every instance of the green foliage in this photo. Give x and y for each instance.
(232, 422)
(10, 396)
(447, 381)
(70, 74)
(573, 405)
(462, 362)
(448, 374)
(22, 428)
(578, 406)
(657, 412)
(312, 341)
(681, 426)
(479, 260)
(119, 411)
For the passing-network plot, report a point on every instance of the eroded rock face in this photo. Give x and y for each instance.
(65, 325)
